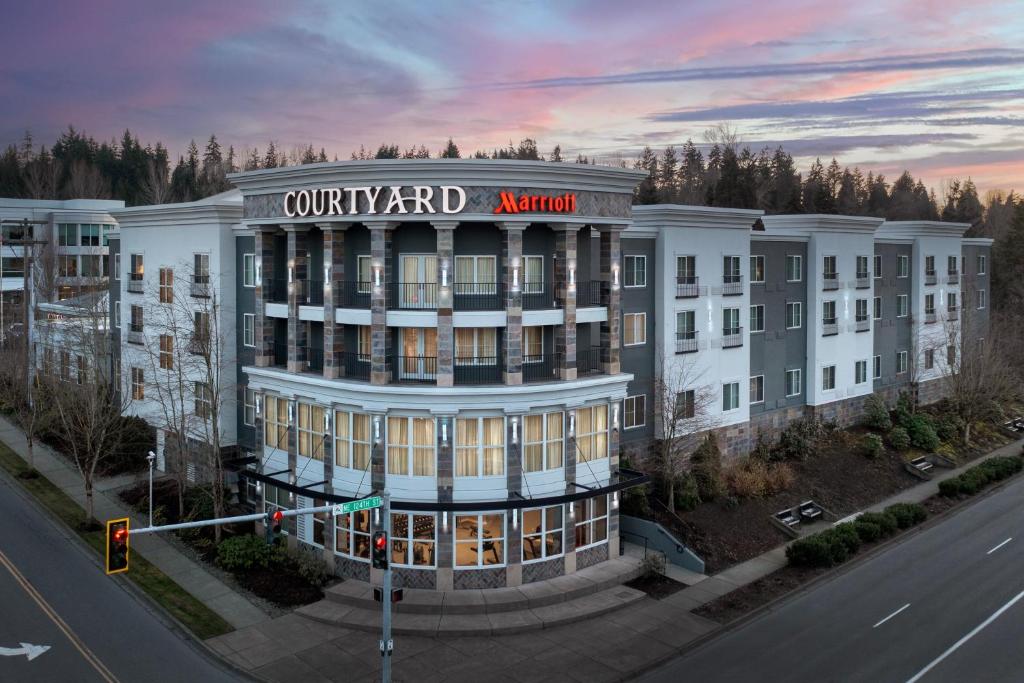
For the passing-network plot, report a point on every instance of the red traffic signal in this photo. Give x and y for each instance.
(117, 545)
(380, 550)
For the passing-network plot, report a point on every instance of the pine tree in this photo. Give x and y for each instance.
(668, 190)
(647, 191)
(847, 201)
(450, 151)
(322, 158)
(387, 152)
(308, 156)
(252, 162)
(878, 196)
(527, 150)
(691, 175)
(270, 158)
(11, 184)
(903, 204)
(556, 154)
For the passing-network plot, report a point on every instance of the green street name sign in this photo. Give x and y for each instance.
(357, 505)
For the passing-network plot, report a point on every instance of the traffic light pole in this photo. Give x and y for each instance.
(387, 645)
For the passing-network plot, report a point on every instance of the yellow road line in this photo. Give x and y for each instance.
(93, 660)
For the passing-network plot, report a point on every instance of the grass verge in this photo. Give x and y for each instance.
(198, 618)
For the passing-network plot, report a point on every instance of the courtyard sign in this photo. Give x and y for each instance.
(339, 201)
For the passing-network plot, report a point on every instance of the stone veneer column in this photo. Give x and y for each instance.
(329, 520)
(611, 298)
(565, 261)
(569, 528)
(613, 466)
(293, 457)
(380, 337)
(264, 325)
(445, 231)
(445, 482)
(514, 478)
(334, 265)
(298, 265)
(512, 260)
(378, 452)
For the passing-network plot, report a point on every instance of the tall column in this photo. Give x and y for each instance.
(512, 269)
(569, 533)
(611, 298)
(378, 473)
(445, 231)
(445, 481)
(565, 294)
(328, 453)
(264, 286)
(293, 457)
(514, 482)
(334, 279)
(298, 276)
(380, 337)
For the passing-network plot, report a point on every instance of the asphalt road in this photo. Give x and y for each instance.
(54, 593)
(945, 605)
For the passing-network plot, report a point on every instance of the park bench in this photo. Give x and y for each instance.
(921, 464)
(810, 510)
(789, 517)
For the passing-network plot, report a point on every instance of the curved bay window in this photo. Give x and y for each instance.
(352, 440)
(276, 428)
(479, 446)
(352, 535)
(542, 442)
(591, 516)
(310, 431)
(542, 533)
(412, 540)
(592, 433)
(479, 540)
(412, 446)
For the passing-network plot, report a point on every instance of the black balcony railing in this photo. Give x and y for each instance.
(588, 361)
(863, 280)
(862, 324)
(952, 313)
(281, 355)
(930, 278)
(477, 296)
(315, 360)
(686, 342)
(135, 282)
(415, 368)
(538, 296)
(355, 365)
(278, 293)
(829, 327)
(588, 293)
(831, 281)
(687, 286)
(539, 369)
(929, 317)
(478, 370)
(314, 293)
(200, 286)
(731, 337)
(356, 294)
(953, 278)
(732, 285)
(413, 295)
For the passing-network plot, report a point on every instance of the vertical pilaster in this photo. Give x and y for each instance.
(514, 479)
(298, 276)
(378, 424)
(264, 285)
(293, 457)
(611, 298)
(334, 278)
(565, 283)
(445, 482)
(380, 339)
(512, 274)
(445, 275)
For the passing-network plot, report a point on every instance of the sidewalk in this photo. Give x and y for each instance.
(611, 647)
(215, 594)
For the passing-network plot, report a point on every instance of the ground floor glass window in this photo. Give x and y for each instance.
(591, 521)
(479, 540)
(353, 534)
(542, 533)
(412, 540)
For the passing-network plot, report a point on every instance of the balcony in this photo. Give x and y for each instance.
(588, 361)
(356, 294)
(863, 324)
(355, 365)
(830, 281)
(863, 281)
(135, 283)
(135, 337)
(930, 317)
(413, 296)
(930, 278)
(687, 287)
(477, 296)
(686, 342)
(277, 291)
(314, 358)
(478, 370)
(732, 285)
(281, 355)
(539, 369)
(732, 337)
(538, 296)
(952, 314)
(953, 278)
(314, 293)
(829, 327)
(415, 368)
(200, 286)
(588, 293)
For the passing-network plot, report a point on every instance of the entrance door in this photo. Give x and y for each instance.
(419, 354)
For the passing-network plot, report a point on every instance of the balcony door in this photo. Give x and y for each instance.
(418, 288)
(419, 354)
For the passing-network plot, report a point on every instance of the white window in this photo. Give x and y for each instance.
(543, 441)
(138, 268)
(249, 415)
(860, 372)
(982, 264)
(982, 299)
(117, 266)
(730, 396)
(878, 308)
(901, 305)
(877, 363)
(635, 271)
(166, 352)
(275, 422)
(861, 310)
(352, 440)
(533, 274)
(757, 269)
(412, 446)
(542, 533)
(862, 267)
(634, 411)
(686, 405)
(479, 540)
(829, 267)
(310, 430)
(793, 382)
(166, 288)
(591, 433)
(794, 314)
(794, 268)
(138, 385)
(352, 536)
(731, 270)
(201, 269)
(878, 266)
(929, 304)
(730, 321)
(117, 314)
(412, 539)
(475, 275)
(591, 517)
(902, 266)
(364, 274)
(929, 359)
(204, 400)
(951, 265)
(479, 446)
(686, 270)
(929, 265)
(951, 301)
(757, 318)
(249, 329)
(533, 344)
(901, 362)
(757, 389)
(248, 270)
(828, 378)
(828, 312)
(634, 329)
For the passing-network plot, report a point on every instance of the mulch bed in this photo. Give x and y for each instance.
(281, 587)
(656, 585)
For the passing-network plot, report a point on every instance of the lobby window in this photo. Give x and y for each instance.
(794, 268)
(757, 318)
(634, 329)
(686, 405)
(542, 533)
(352, 440)
(757, 269)
(275, 426)
(591, 433)
(878, 266)
(635, 274)
(794, 315)
(591, 517)
(166, 352)
(533, 274)
(319, 521)
(249, 405)
(634, 411)
(479, 540)
(204, 400)
(90, 235)
(929, 359)
(982, 264)
(248, 270)
(475, 346)
(730, 396)
(67, 235)
(876, 363)
(412, 446)
(352, 536)
(412, 540)
(878, 308)
(479, 446)
(901, 362)
(860, 372)
(543, 441)
(310, 431)
(138, 384)
(902, 266)
(364, 273)
(901, 305)
(249, 329)
(793, 382)
(475, 275)
(757, 389)
(533, 344)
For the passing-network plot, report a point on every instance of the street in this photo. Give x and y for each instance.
(945, 605)
(54, 593)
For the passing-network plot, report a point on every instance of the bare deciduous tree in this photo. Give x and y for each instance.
(156, 186)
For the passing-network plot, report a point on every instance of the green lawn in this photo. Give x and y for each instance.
(202, 621)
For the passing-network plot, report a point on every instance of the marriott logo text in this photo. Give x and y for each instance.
(565, 203)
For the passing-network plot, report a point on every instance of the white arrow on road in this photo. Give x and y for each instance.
(30, 651)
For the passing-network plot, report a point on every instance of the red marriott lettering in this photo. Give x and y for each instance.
(532, 203)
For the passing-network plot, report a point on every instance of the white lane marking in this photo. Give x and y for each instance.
(27, 649)
(891, 615)
(977, 629)
(999, 546)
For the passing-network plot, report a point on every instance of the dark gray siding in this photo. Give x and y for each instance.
(892, 334)
(976, 321)
(777, 349)
(114, 291)
(245, 302)
(639, 360)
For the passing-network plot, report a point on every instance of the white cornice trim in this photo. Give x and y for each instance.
(912, 229)
(806, 224)
(978, 241)
(663, 216)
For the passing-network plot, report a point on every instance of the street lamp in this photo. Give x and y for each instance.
(152, 463)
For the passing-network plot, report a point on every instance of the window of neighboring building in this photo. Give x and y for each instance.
(793, 387)
(901, 362)
(275, 422)
(543, 441)
(878, 308)
(829, 268)
(686, 404)
(201, 326)
(249, 329)
(166, 352)
(542, 533)
(201, 269)
(635, 271)
(533, 274)
(412, 540)
(90, 235)
(982, 264)
(136, 322)
(117, 266)
(685, 326)
(65, 366)
(352, 535)
(310, 430)
(533, 344)
(412, 446)
(862, 267)
(828, 378)
(901, 305)
(204, 400)
(794, 314)
(248, 270)
(591, 517)
(82, 369)
(951, 265)
(929, 359)
(730, 396)
(67, 265)
(877, 367)
(67, 235)
(757, 269)
(860, 372)
(730, 321)
(757, 389)
(929, 265)
(634, 329)
(757, 318)
(982, 299)
(352, 440)
(591, 433)
(634, 411)
(138, 384)
(828, 312)
(92, 265)
(249, 403)
(951, 357)
(902, 266)
(929, 304)
(951, 301)
(861, 310)
(117, 314)
(878, 266)
(731, 269)
(686, 270)
(364, 274)
(794, 268)
(479, 446)
(479, 540)
(138, 268)
(166, 290)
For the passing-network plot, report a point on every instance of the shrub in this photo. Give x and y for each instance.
(812, 551)
(949, 487)
(978, 477)
(876, 413)
(753, 478)
(869, 532)
(904, 410)
(242, 553)
(654, 564)
(872, 445)
(922, 433)
(907, 514)
(799, 440)
(846, 534)
(686, 494)
(899, 439)
(312, 568)
(947, 429)
(885, 522)
(706, 468)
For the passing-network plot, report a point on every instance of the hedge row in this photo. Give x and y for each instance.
(834, 546)
(981, 475)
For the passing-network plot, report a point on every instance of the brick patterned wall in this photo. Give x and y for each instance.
(380, 337)
(445, 328)
(588, 557)
(263, 323)
(512, 341)
(407, 577)
(347, 568)
(468, 579)
(334, 334)
(542, 571)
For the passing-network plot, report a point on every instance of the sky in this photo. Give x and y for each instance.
(933, 86)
